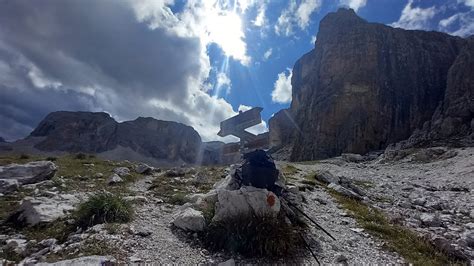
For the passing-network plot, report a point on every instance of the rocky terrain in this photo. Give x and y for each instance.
(145, 139)
(425, 191)
(367, 85)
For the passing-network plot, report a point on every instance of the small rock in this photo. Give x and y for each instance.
(357, 230)
(345, 191)
(340, 259)
(430, 220)
(143, 169)
(326, 177)
(230, 262)
(143, 233)
(98, 175)
(419, 201)
(48, 242)
(114, 179)
(134, 259)
(122, 171)
(190, 219)
(352, 157)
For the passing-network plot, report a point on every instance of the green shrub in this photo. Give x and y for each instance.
(24, 157)
(103, 208)
(254, 236)
(80, 156)
(52, 159)
(178, 198)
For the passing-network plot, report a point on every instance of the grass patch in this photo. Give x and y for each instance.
(309, 182)
(254, 236)
(9, 253)
(405, 242)
(174, 189)
(90, 247)
(103, 208)
(289, 170)
(58, 229)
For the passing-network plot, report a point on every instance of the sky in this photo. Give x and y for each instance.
(196, 62)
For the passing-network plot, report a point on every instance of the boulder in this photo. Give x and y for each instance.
(345, 191)
(326, 177)
(28, 173)
(143, 169)
(122, 171)
(352, 157)
(37, 210)
(114, 179)
(189, 219)
(245, 201)
(8, 185)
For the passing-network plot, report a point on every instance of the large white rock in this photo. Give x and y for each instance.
(44, 210)
(29, 173)
(245, 201)
(114, 179)
(189, 219)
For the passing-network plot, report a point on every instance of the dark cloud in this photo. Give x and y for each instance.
(91, 55)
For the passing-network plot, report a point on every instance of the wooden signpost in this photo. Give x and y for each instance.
(237, 126)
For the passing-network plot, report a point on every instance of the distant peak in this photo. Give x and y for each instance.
(343, 17)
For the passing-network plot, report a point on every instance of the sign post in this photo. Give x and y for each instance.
(236, 126)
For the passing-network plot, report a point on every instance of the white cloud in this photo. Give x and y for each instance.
(210, 21)
(469, 3)
(267, 54)
(296, 15)
(243, 108)
(415, 17)
(313, 39)
(260, 19)
(282, 88)
(223, 82)
(461, 24)
(354, 4)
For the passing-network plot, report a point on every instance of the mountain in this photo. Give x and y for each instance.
(145, 139)
(367, 85)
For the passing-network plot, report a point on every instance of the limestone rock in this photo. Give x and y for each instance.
(190, 219)
(430, 220)
(245, 201)
(89, 261)
(143, 169)
(326, 177)
(8, 185)
(399, 85)
(122, 171)
(114, 179)
(345, 191)
(89, 132)
(37, 210)
(28, 173)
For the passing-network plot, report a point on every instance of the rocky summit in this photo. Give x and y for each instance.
(367, 85)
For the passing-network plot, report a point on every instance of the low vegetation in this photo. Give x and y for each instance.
(174, 189)
(103, 208)
(289, 170)
(408, 244)
(254, 236)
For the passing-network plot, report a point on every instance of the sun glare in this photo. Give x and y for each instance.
(225, 29)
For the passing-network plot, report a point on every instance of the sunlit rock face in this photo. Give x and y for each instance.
(97, 132)
(367, 85)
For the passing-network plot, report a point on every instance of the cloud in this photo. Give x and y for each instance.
(210, 21)
(313, 40)
(267, 54)
(260, 18)
(282, 89)
(296, 16)
(461, 24)
(103, 56)
(354, 4)
(223, 82)
(413, 18)
(469, 3)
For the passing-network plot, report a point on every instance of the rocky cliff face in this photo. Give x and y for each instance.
(367, 85)
(98, 132)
